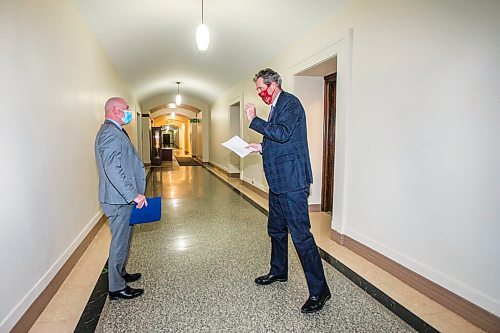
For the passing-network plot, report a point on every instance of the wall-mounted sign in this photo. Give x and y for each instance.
(195, 120)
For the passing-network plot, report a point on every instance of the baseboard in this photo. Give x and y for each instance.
(224, 171)
(24, 315)
(218, 167)
(459, 305)
(313, 208)
(254, 188)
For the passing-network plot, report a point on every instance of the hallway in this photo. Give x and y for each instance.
(200, 261)
(414, 127)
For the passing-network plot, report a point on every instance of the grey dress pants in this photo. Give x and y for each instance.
(119, 218)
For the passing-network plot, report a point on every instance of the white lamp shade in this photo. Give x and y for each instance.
(178, 100)
(202, 37)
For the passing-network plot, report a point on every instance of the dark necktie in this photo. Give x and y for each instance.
(125, 132)
(271, 112)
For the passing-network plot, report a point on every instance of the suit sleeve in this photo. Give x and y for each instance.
(281, 130)
(110, 150)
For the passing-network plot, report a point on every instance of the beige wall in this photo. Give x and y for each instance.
(146, 140)
(188, 100)
(199, 136)
(55, 80)
(183, 123)
(417, 134)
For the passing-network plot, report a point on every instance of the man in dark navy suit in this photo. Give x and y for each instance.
(287, 167)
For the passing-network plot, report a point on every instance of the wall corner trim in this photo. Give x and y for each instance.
(459, 305)
(27, 311)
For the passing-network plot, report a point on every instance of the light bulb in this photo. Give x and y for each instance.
(202, 37)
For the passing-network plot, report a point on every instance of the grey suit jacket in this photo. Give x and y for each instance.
(121, 172)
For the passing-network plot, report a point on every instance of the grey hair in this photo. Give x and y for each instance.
(269, 76)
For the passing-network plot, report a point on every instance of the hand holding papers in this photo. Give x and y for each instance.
(238, 146)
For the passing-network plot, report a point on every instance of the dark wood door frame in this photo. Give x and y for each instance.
(329, 142)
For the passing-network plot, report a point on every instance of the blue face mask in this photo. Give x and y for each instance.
(127, 118)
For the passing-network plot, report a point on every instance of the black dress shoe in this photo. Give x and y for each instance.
(269, 278)
(126, 293)
(131, 277)
(316, 303)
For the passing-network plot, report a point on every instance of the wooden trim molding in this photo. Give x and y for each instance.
(337, 237)
(228, 174)
(313, 208)
(36, 309)
(254, 188)
(219, 168)
(464, 308)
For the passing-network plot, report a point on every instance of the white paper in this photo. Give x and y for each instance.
(238, 146)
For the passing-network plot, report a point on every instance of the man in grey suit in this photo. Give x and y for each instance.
(122, 181)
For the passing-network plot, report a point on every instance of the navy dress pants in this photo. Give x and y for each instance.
(289, 211)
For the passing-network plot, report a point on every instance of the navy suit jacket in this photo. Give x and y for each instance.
(285, 151)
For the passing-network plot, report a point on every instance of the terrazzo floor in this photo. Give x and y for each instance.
(199, 264)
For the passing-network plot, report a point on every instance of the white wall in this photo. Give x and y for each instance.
(151, 103)
(54, 83)
(417, 132)
(235, 111)
(178, 111)
(310, 91)
(251, 165)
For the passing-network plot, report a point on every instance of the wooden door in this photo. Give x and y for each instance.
(329, 143)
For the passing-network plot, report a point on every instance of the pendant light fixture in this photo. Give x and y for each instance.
(178, 98)
(202, 34)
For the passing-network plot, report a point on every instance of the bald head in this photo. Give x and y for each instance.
(114, 108)
(114, 102)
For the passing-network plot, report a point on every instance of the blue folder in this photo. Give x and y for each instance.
(151, 213)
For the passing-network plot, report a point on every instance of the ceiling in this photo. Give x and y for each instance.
(152, 42)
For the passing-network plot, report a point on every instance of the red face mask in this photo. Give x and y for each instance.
(266, 97)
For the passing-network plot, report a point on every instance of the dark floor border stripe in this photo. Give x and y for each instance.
(91, 315)
(92, 312)
(406, 315)
(403, 313)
